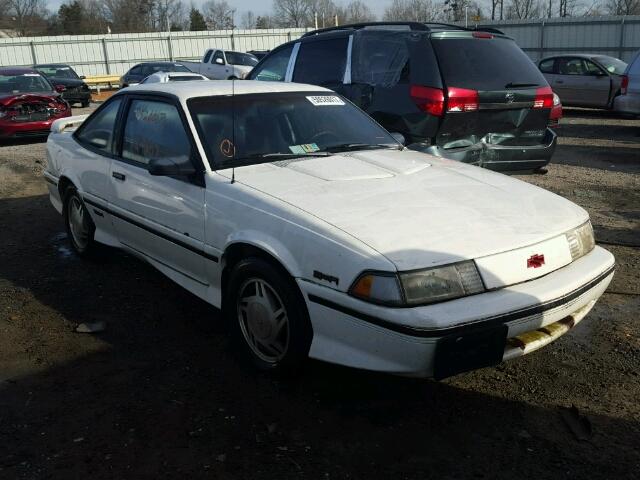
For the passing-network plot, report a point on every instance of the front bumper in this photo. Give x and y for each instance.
(27, 129)
(500, 158)
(404, 341)
(77, 96)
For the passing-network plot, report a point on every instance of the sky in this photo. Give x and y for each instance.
(257, 7)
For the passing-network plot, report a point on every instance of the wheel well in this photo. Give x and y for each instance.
(63, 183)
(238, 251)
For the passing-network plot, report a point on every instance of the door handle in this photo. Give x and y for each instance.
(118, 176)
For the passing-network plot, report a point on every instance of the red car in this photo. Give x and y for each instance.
(29, 104)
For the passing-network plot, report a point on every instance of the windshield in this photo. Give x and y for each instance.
(268, 127)
(485, 64)
(23, 83)
(612, 65)
(237, 58)
(58, 71)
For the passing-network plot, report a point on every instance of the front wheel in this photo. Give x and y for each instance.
(80, 226)
(268, 316)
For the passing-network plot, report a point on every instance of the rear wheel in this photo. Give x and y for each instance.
(268, 316)
(80, 226)
(85, 104)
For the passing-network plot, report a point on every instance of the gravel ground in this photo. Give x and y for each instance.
(160, 394)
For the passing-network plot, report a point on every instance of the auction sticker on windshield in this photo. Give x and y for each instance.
(319, 100)
(306, 148)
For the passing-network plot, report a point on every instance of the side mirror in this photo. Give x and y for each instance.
(82, 77)
(60, 88)
(219, 61)
(398, 137)
(170, 167)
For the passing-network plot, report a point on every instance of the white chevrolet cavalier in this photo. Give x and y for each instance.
(318, 234)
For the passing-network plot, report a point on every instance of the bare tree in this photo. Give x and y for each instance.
(170, 14)
(219, 15)
(623, 7)
(130, 15)
(357, 11)
(292, 13)
(412, 10)
(248, 20)
(28, 14)
(521, 9)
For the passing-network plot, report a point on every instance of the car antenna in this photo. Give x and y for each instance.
(233, 130)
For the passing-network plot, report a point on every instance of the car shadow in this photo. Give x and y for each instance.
(160, 393)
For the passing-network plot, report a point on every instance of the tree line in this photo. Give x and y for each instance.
(78, 17)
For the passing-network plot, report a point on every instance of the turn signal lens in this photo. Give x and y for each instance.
(377, 288)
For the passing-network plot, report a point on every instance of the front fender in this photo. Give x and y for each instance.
(269, 244)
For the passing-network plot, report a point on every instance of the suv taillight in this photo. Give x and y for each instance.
(461, 100)
(432, 100)
(624, 85)
(544, 98)
(428, 99)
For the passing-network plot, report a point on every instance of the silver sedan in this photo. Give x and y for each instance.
(584, 80)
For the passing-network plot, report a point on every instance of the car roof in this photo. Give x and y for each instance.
(186, 90)
(576, 55)
(160, 63)
(40, 65)
(17, 70)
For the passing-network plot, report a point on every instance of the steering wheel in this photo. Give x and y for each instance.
(325, 133)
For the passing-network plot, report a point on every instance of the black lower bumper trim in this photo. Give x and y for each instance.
(467, 327)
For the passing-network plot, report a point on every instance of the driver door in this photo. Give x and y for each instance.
(160, 217)
(219, 68)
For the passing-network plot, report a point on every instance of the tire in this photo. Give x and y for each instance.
(79, 225)
(271, 341)
(232, 77)
(85, 104)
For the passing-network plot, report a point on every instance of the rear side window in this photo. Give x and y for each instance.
(274, 67)
(547, 65)
(97, 131)
(321, 62)
(485, 63)
(380, 59)
(155, 130)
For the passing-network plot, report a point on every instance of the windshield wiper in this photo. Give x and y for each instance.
(280, 156)
(350, 147)
(520, 85)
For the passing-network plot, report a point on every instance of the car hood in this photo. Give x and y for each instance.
(7, 100)
(415, 209)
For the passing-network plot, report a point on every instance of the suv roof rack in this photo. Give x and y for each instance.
(419, 26)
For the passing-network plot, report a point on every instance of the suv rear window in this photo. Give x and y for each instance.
(321, 62)
(485, 63)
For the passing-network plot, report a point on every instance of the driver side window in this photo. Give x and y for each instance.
(154, 130)
(97, 131)
(218, 55)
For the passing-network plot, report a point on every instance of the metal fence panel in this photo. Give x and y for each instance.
(115, 54)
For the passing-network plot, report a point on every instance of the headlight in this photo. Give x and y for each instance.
(419, 287)
(442, 283)
(581, 240)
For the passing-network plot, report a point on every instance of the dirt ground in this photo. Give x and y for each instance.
(160, 393)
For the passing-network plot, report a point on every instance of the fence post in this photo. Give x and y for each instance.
(621, 45)
(170, 47)
(541, 41)
(233, 43)
(106, 56)
(33, 53)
